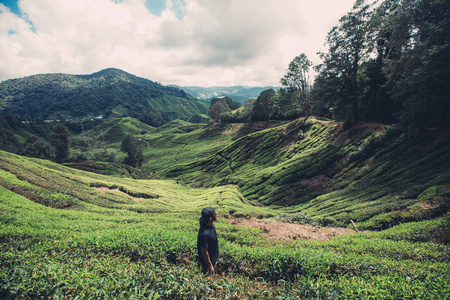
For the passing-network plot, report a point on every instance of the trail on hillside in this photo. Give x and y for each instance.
(177, 143)
(289, 231)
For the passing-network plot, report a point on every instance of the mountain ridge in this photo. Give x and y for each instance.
(238, 93)
(109, 92)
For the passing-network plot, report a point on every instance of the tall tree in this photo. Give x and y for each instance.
(349, 45)
(388, 64)
(216, 109)
(36, 147)
(376, 103)
(60, 142)
(263, 106)
(418, 68)
(296, 79)
(131, 146)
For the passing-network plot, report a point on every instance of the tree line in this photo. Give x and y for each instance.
(387, 62)
(42, 140)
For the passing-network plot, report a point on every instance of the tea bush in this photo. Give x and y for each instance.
(70, 234)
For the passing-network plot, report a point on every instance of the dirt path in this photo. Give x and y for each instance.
(288, 231)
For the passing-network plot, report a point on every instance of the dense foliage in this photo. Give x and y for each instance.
(263, 106)
(284, 104)
(130, 145)
(388, 63)
(60, 142)
(108, 93)
(221, 105)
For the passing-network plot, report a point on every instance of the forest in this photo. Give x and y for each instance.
(388, 64)
(109, 93)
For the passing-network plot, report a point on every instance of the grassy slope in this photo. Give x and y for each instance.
(164, 146)
(376, 175)
(332, 174)
(176, 143)
(61, 237)
(115, 130)
(62, 187)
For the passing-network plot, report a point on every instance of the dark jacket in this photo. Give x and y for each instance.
(207, 238)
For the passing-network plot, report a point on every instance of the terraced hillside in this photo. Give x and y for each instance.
(70, 234)
(65, 188)
(317, 167)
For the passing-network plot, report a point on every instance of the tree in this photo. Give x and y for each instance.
(388, 64)
(263, 106)
(36, 147)
(215, 110)
(418, 66)
(232, 104)
(131, 146)
(349, 45)
(296, 79)
(221, 105)
(60, 142)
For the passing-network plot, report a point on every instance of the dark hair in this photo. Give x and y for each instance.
(207, 213)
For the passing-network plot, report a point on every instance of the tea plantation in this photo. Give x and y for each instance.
(71, 234)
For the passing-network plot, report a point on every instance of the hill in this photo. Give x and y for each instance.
(237, 93)
(66, 233)
(374, 174)
(371, 173)
(114, 131)
(109, 93)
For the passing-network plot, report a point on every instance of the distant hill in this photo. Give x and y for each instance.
(237, 93)
(106, 94)
(115, 130)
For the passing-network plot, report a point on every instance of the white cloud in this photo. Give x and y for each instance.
(226, 42)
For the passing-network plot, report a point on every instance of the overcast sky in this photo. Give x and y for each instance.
(184, 42)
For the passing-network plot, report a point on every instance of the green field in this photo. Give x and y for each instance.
(68, 234)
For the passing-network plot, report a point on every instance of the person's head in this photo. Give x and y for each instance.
(208, 216)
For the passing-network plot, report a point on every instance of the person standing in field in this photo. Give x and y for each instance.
(207, 243)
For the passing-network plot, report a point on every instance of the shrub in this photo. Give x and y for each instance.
(297, 218)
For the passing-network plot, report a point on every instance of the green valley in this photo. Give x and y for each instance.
(332, 189)
(68, 233)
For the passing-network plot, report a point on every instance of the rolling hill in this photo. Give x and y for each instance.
(317, 167)
(374, 174)
(237, 93)
(110, 93)
(66, 233)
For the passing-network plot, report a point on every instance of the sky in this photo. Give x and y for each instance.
(184, 42)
